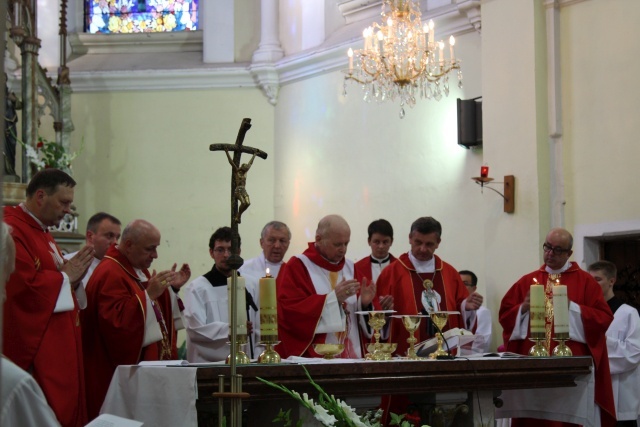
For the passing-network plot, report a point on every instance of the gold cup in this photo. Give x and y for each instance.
(439, 318)
(377, 320)
(411, 324)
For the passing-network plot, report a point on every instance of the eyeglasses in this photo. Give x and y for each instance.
(222, 250)
(556, 250)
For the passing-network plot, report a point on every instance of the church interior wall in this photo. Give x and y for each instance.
(146, 155)
(600, 104)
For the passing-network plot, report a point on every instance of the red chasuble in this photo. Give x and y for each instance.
(401, 281)
(46, 344)
(300, 307)
(583, 290)
(114, 324)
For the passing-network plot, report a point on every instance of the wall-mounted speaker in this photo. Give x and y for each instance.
(470, 122)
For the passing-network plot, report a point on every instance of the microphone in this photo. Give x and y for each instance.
(449, 356)
(250, 302)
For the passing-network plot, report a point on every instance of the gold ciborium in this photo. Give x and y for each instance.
(439, 318)
(328, 351)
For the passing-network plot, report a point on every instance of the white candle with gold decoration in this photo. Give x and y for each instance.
(241, 326)
(560, 309)
(536, 298)
(268, 306)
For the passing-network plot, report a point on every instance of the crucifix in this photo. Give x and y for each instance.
(239, 196)
(239, 203)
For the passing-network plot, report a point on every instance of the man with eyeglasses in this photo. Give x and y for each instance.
(589, 318)
(207, 306)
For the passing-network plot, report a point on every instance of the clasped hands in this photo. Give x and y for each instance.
(76, 267)
(159, 282)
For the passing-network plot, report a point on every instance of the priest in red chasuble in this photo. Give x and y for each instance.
(318, 295)
(41, 326)
(132, 314)
(406, 280)
(589, 318)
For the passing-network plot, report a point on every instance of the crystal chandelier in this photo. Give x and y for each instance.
(401, 59)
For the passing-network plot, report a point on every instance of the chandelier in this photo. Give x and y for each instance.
(401, 59)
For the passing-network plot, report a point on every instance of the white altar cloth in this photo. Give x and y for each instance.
(158, 396)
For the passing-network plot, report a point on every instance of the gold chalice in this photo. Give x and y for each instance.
(328, 351)
(411, 324)
(385, 350)
(439, 318)
(377, 320)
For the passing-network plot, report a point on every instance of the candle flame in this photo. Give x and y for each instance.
(535, 282)
(267, 271)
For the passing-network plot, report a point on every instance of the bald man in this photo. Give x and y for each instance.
(131, 314)
(318, 295)
(589, 318)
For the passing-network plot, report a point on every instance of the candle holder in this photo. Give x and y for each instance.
(538, 349)
(240, 356)
(269, 355)
(562, 349)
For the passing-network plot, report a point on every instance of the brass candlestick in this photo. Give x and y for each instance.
(241, 357)
(269, 355)
(562, 349)
(439, 318)
(538, 349)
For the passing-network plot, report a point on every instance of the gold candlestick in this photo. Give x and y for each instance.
(538, 349)
(241, 357)
(562, 349)
(269, 355)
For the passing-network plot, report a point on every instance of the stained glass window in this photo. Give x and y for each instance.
(140, 16)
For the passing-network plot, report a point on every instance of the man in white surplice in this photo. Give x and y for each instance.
(207, 308)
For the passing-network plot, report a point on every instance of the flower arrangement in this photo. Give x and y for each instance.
(50, 154)
(332, 412)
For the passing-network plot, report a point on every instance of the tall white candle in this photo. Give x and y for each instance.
(452, 42)
(560, 309)
(268, 306)
(536, 315)
(241, 325)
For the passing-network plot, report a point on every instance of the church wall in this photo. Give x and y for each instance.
(147, 156)
(601, 99)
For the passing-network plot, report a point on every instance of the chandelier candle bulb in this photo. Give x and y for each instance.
(560, 309)
(241, 303)
(452, 42)
(268, 306)
(431, 31)
(441, 56)
(536, 310)
(350, 55)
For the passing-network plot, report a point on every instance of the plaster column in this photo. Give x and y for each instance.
(269, 51)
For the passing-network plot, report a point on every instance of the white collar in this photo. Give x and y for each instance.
(423, 266)
(562, 270)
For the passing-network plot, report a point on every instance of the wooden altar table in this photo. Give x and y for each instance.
(182, 395)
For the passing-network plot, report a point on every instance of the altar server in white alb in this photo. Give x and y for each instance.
(207, 306)
(481, 326)
(623, 346)
(274, 241)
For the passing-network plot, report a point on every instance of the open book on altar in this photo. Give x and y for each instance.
(460, 343)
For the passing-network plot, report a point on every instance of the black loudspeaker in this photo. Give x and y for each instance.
(470, 122)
